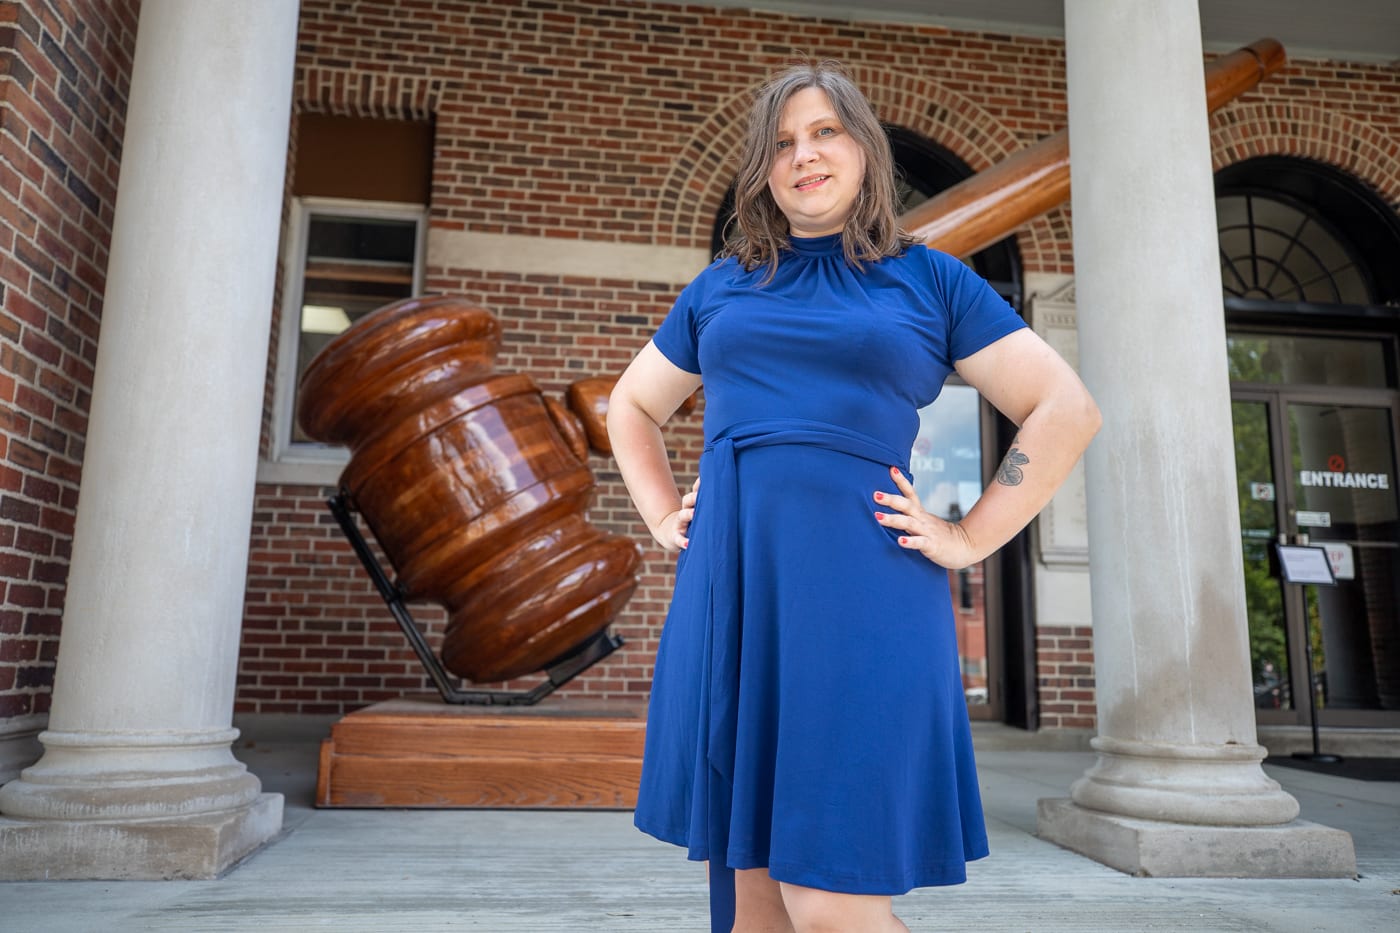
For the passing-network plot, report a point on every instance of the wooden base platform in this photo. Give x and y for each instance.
(420, 752)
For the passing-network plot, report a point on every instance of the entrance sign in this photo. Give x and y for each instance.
(1305, 564)
(1338, 480)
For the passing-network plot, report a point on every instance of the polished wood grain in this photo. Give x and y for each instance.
(588, 399)
(473, 483)
(569, 753)
(979, 211)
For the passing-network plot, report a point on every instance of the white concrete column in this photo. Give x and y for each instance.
(1178, 788)
(137, 779)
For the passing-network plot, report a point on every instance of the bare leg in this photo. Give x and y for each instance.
(816, 911)
(758, 903)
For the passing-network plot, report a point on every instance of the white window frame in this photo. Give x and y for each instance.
(310, 463)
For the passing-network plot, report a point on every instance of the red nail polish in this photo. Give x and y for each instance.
(879, 497)
(903, 540)
(879, 516)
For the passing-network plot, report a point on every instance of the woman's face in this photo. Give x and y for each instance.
(817, 168)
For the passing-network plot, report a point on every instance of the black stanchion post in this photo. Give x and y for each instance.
(1302, 565)
(1316, 753)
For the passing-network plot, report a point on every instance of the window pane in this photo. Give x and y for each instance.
(353, 266)
(1268, 639)
(1300, 360)
(1354, 628)
(1272, 251)
(947, 456)
(353, 238)
(1345, 472)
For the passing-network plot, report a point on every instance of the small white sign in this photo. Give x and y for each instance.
(1343, 564)
(1315, 519)
(1261, 492)
(1305, 564)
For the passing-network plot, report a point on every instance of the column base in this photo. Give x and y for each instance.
(1157, 849)
(191, 847)
(1191, 784)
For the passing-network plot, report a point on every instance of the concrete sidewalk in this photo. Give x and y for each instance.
(533, 871)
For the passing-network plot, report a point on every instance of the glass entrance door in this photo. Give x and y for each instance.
(1319, 467)
(1344, 497)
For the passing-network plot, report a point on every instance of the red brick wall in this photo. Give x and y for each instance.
(612, 121)
(64, 72)
(1064, 662)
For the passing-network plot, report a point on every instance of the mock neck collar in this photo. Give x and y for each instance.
(828, 245)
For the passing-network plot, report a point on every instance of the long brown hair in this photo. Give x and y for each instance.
(872, 230)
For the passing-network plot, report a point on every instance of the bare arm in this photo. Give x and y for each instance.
(646, 395)
(1030, 384)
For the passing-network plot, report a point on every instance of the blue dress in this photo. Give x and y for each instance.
(807, 711)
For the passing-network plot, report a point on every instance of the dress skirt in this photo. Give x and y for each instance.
(807, 712)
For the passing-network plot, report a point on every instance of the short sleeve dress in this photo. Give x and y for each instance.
(807, 712)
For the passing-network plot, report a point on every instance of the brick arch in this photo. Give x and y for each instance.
(1309, 132)
(694, 188)
(347, 93)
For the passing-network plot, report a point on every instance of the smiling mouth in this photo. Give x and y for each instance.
(810, 181)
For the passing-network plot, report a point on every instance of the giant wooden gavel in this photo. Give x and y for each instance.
(474, 483)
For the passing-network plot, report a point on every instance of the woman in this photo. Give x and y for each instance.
(807, 732)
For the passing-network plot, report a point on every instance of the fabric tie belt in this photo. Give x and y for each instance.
(719, 701)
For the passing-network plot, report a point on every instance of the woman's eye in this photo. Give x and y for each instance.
(784, 143)
(826, 131)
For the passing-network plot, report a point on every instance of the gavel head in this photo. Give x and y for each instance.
(474, 484)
